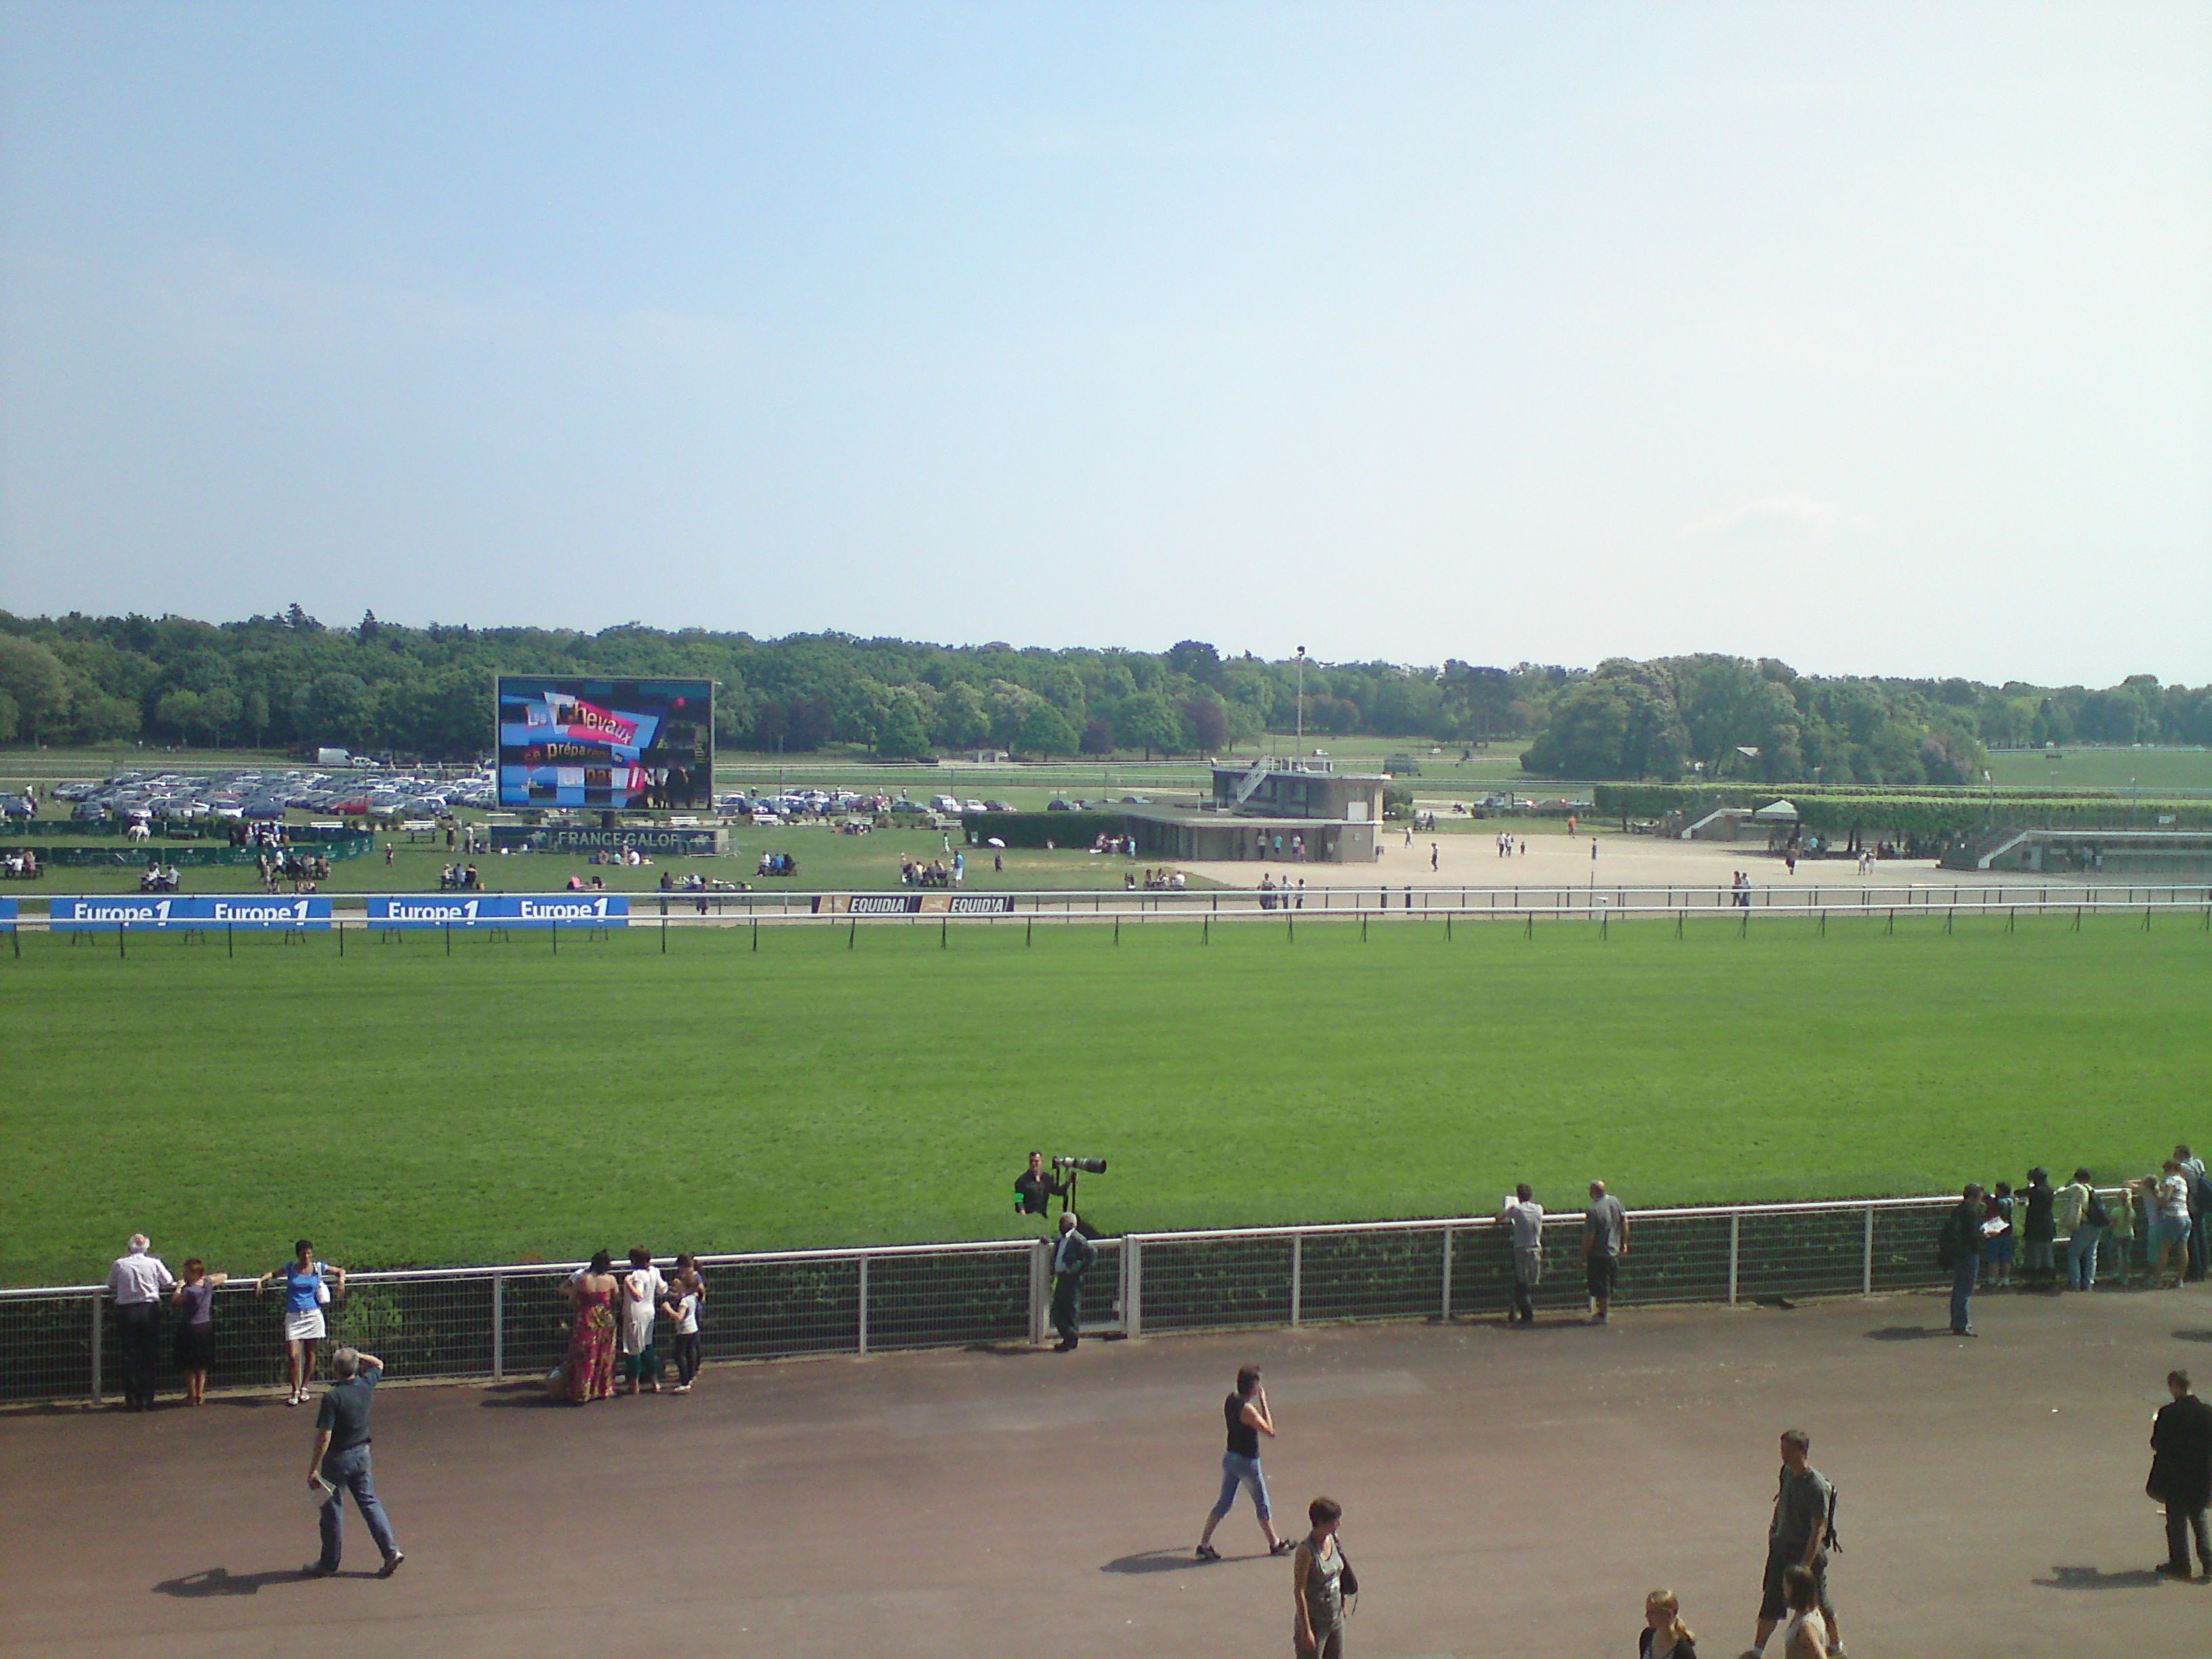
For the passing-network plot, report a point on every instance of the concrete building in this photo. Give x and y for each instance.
(1288, 811)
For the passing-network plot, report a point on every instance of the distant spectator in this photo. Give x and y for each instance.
(137, 1281)
(2181, 1475)
(643, 1289)
(306, 1292)
(1809, 1631)
(589, 1372)
(340, 1464)
(2200, 1202)
(1072, 1258)
(1999, 1244)
(2038, 1231)
(196, 1335)
(1525, 1218)
(2119, 1246)
(1605, 1241)
(1317, 1585)
(1798, 1542)
(687, 1293)
(1246, 1413)
(2170, 1237)
(2082, 1218)
(1664, 1636)
(1959, 1248)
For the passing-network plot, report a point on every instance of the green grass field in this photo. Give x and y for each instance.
(399, 1104)
(2155, 771)
(826, 860)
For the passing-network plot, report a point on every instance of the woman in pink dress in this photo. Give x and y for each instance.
(590, 1371)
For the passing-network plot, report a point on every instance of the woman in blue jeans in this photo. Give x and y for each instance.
(1245, 1412)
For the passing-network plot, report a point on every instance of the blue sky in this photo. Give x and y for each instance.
(1874, 337)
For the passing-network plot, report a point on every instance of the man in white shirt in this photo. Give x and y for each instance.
(1526, 1217)
(138, 1281)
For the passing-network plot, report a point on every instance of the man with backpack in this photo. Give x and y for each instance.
(1802, 1533)
(2082, 1216)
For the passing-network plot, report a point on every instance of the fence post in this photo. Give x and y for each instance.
(96, 1334)
(1132, 1287)
(1039, 1281)
(864, 1307)
(1866, 1264)
(499, 1328)
(1297, 1275)
(1735, 1240)
(1445, 1311)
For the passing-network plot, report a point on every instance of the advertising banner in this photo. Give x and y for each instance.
(197, 910)
(618, 745)
(913, 904)
(7, 915)
(691, 842)
(500, 910)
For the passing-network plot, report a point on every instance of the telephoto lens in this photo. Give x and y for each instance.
(1086, 1165)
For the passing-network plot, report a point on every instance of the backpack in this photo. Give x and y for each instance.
(2094, 1215)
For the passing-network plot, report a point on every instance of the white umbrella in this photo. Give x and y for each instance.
(993, 840)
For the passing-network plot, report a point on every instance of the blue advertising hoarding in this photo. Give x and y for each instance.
(197, 910)
(500, 910)
(7, 915)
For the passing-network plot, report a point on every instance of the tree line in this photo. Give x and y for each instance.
(288, 680)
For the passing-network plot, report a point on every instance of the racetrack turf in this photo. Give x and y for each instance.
(399, 1104)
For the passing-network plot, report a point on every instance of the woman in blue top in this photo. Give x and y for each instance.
(307, 1288)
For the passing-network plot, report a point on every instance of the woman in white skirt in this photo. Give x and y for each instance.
(306, 1292)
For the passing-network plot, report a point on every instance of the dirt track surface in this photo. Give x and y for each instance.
(1504, 1492)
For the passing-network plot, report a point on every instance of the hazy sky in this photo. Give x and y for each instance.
(1874, 337)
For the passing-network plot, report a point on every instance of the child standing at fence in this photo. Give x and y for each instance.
(686, 1291)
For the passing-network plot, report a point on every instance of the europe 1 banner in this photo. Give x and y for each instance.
(194, 910)
(620, 745)
(500, 910)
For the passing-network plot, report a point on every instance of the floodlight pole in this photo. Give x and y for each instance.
(1301, 702)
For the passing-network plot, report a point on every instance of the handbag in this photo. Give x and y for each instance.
(1347, 1581)
(322, 1291)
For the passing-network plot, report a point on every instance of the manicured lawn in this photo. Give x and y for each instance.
(400, 1104)
(826, 860)
(2152, 770)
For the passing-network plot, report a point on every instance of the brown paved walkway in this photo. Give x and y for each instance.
(1505, 1493)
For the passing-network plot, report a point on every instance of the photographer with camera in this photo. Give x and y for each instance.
(1035, 1189)
(1072, 1258)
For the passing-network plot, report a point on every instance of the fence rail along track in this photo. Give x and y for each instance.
(490, 1324)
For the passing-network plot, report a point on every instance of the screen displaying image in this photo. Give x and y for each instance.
(619, 744)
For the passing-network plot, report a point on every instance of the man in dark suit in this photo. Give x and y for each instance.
(2181, 1475)
(1959, 1247)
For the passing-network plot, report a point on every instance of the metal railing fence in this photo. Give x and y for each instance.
(1943, 900)
(498, 1323)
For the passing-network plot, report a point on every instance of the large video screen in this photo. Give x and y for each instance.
(630, 744)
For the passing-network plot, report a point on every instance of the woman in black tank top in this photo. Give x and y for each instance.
(1245, 1413)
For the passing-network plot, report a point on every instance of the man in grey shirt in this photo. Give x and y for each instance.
(340, 1462)
(1526, 1217)
(1798, 1537)
(1605, 1241)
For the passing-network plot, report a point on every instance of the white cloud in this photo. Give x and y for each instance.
(1794, 516)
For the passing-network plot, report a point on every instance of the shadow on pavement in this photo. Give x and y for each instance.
(1174, 1560)
(1906, 1333)
(2090, 1578)
(521, 1394)
(221, 1581)
(2192, 1336)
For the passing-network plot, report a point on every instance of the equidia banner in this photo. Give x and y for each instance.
(913, 904)
(500, 910)
(208, 910)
